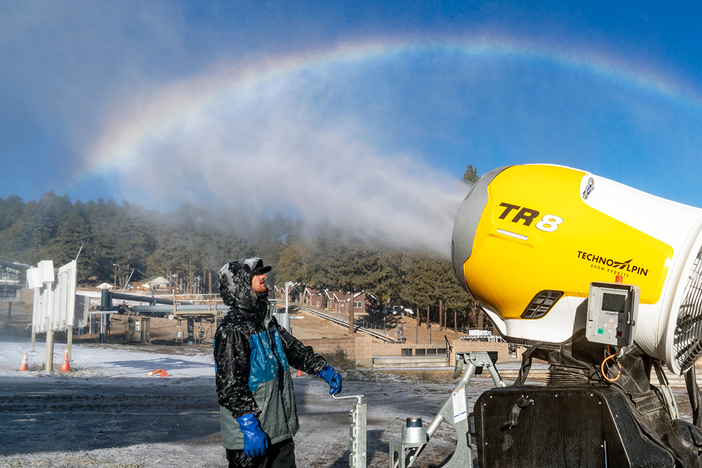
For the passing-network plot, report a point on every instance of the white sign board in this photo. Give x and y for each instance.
(39, 311)
(46, 271)
(54, 300)
(34, 278)
(65, 297)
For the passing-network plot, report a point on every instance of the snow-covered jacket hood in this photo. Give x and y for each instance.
(235, 284)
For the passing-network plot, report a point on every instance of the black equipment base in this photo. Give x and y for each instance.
(557, 427)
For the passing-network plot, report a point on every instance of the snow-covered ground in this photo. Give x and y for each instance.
(107, 412)
(103, 360)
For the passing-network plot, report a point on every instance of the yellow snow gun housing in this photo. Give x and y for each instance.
(529, 240)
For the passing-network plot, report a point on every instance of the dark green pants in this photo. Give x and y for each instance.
(280, 455)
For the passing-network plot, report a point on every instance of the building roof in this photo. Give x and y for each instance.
(158, 281)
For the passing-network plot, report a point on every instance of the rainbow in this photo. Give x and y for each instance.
(127, 133)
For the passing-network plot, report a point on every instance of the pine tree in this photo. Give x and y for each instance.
(470, 176)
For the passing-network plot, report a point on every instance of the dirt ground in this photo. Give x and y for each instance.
(304, 325)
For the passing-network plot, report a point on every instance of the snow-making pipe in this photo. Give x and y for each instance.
(107, 296)
(164, 309)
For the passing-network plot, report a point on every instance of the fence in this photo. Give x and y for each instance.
(410, 334)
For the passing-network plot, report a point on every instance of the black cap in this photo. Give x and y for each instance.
(260, 269)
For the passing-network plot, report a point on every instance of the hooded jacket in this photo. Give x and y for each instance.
(253, 355)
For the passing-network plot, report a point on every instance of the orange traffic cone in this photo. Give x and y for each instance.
(299, 373)
(65, 367)
(160, 372)
(23, 365)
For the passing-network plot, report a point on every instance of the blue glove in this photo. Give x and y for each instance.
(330, 377)
(255, 440)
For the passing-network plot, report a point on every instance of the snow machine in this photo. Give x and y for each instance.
(603, 282)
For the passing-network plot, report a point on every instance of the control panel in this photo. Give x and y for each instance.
(611, 313)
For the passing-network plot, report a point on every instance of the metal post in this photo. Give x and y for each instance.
(9, 312)
(357, 447)
(49, 361)
(284, 317)
(102, 329)
(358, 443)
(69, 339)
(191, 331)
(287, 288)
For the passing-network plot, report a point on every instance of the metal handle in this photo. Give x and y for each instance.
(347, 397)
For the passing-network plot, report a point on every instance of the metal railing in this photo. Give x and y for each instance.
(389, 334)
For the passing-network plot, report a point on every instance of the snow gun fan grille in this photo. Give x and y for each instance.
(687, 343)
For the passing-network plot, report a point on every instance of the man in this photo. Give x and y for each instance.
(252, 357)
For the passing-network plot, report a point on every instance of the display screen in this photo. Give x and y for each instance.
(613, 302)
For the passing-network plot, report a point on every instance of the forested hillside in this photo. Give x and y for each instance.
(119, 239)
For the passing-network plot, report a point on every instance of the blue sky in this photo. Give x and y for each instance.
(363, 114)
